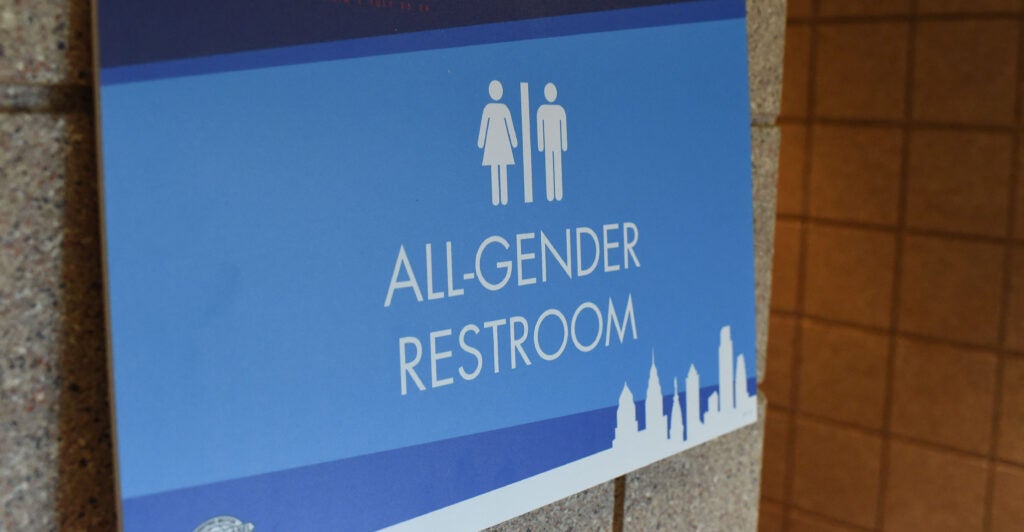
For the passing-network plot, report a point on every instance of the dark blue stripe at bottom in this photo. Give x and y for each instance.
(373, 491)
(377, 490)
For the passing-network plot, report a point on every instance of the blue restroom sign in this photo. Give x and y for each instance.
(421, 265)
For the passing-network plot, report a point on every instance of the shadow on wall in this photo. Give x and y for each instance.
(85, 489)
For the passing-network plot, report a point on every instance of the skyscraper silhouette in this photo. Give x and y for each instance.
(626, 427)
(692, 404)
(676, 428)
(654, 406)
(729, 405)
(744, 401)
(726, 397)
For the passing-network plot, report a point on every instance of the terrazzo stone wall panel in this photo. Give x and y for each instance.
(56, 467)
(764, 151)
(711, 487)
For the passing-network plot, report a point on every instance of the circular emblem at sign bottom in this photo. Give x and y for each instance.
(224, 523)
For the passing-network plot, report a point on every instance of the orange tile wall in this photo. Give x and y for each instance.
(895, 373)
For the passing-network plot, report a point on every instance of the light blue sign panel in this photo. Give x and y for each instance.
(433, 279)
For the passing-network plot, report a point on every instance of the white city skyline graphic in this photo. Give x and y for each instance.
(729, 407)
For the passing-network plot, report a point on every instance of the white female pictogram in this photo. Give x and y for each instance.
(497, 138)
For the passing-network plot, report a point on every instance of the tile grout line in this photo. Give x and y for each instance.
(819, 515)
(897, 280)
(830, 519)
(45, 99)
(867, 431)
(1007, 285)
(915, 124)
(913, 231)
(959, 344)
(805, 185)
(908, 17)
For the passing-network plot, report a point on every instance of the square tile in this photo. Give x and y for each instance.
(850, 274)
(770, 517)
(933, 490)
(828, 8)
(799, 8)
(1019, 197)
(842, 374)
(1015, 303)
(855, 173)
(776, 446)
(786, 265)
(837, 472)
(1011, 420)
(944, 395)
(792, 161)
(1018, 226)
(968, 6)
(796, 70)
(861, 70)
(951, 289)
(778, 380)
(1008, 499)
(959, 181)
(964, 71)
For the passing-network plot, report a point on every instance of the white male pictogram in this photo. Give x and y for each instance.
(552, 140)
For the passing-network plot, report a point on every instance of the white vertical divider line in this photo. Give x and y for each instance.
(524, 104)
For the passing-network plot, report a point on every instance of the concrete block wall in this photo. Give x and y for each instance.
(55, 428)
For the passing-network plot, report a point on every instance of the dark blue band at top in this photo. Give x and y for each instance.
(310, 51)
(144, 31)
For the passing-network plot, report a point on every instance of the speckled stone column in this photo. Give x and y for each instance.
(55, 455)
